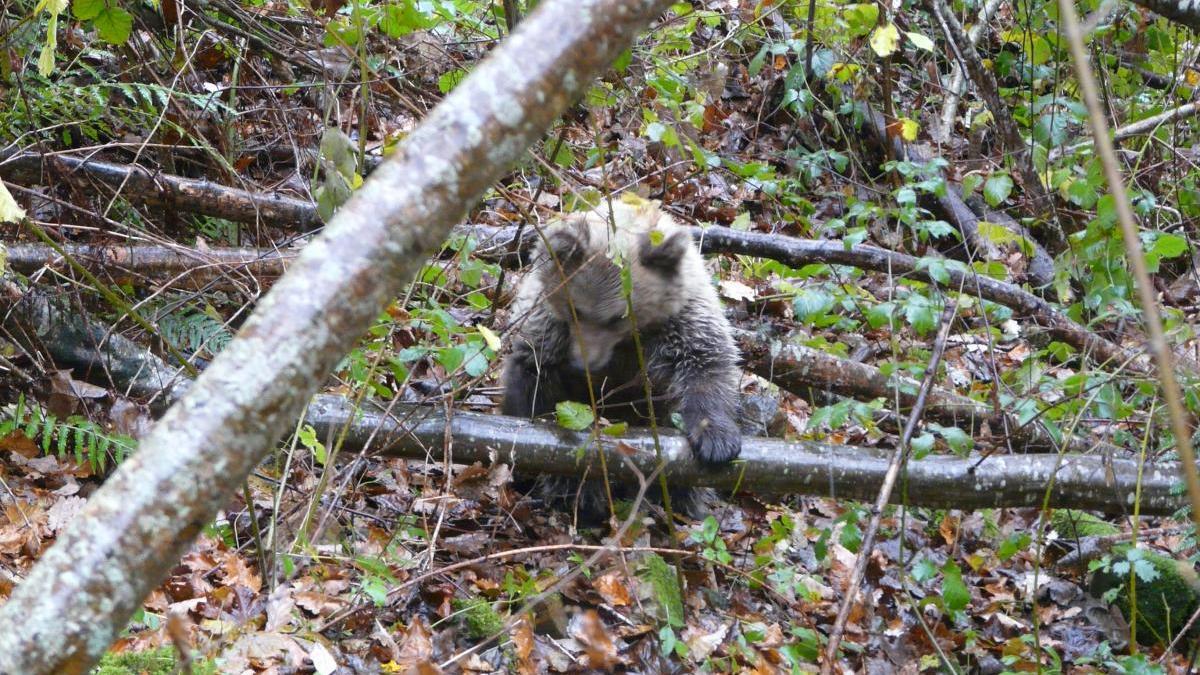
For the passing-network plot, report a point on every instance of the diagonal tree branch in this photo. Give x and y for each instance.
(83, 590)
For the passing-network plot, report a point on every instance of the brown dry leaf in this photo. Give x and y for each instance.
(416, 650)
(523, 643)
(948, 528)
(236, 572)
(256, 651)
(474, 664)
(21, 444)
(63, 512)
(612, 588)
(318, 603)
(600, 651)
(701, 642)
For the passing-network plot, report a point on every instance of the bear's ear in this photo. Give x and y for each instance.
(566, 243)
(664, 255)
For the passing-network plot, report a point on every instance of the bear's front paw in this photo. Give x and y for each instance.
(715, 441)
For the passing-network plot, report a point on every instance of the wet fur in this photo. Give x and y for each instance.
(691, 360)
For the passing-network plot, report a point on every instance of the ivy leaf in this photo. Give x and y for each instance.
(922, 445)
(954, 591)
(885, 40)
(450, 80)
(450, 358)
(86, 10)
(574, 416)
(970, 183)
(1170, 246)
(921, 314)
(997, 188)
(403, 18)
(861, 18)
(114, 25)
(923, 570)
(1015, 543)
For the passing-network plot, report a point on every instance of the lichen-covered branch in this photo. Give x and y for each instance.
(139, 184)
(63, 616)
(770, 466)
(180, 266)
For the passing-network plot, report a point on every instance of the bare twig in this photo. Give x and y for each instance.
(1010, 135)
(958, 76)
(1133, 251)
(899, 456)
(1144, 126)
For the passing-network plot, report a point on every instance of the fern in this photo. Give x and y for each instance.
(76, 436)
(193, 332)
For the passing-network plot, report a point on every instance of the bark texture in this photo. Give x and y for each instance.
(66, 613)
(140, 184)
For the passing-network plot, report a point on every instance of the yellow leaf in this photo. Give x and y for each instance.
(489, 337)
(909, 129)
(885, 39)
(10, 211)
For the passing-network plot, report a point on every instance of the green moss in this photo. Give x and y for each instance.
(1164, 604)
(1071, 524)
(479, 617)
(161, 661)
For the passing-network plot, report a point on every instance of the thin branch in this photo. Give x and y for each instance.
(958, 76)
(1010, 135)
(1138, 128)
(899, 456)
(1135, 255)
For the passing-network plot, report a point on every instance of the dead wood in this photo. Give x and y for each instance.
(135, 527)
(175, 266)
(139, 184)
(767, 466)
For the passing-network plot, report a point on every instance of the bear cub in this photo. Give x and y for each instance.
(571, 319)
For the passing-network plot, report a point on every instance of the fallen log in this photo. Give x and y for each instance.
(767, 466)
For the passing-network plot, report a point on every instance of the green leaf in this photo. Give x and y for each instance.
(114, 25)
(1014, 544)
(922, 445)
(86, 10)
(451, 358)
(308, 438)
(403, 18)
(921, 313)
(617, 429)
(881, 315)
(970, 183)
(449, 80)
(860, 19)
(574, 416)
(956, 438)
(923, 570)
(997, 188)
(811, 304)
(920, 41)
(954, 591)
(1170, 246)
